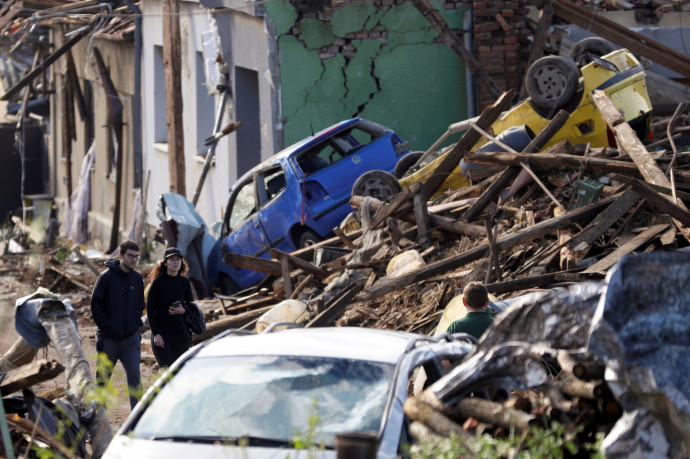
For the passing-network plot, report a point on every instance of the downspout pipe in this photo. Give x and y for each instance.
(469, 78)
(136, 103)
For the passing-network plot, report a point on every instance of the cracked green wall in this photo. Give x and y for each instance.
(409, 83)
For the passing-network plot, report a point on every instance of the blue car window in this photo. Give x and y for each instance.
(243, 205)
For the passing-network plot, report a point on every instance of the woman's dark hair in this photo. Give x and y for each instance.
(161, 267)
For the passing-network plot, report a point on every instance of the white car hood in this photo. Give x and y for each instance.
(124, 447)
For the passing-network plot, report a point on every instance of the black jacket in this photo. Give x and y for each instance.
(164, 291)
(117, 301)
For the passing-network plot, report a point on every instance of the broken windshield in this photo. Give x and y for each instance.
(268, 397)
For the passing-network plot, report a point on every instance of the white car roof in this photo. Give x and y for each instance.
(343, 342)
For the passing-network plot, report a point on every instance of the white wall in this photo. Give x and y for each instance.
(243, 40)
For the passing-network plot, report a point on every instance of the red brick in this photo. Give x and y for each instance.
(493, 69)
(486, 27)
(483, 48)
(480, 5)
(519, 24)
(489, 55)
(511, 61)
(504, 25)
(512, 47)
(509, 54)
(483, 36)
(511, 5)
(508, 13)
(509, 40)
(485, 12)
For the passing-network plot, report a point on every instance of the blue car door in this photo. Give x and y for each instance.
(278, 207)
(246, 236)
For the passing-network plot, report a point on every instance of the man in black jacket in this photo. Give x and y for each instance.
(117, 303)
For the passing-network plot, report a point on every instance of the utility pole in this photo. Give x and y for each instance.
(173, 95)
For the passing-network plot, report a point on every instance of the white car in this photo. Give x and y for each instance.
(251, 395)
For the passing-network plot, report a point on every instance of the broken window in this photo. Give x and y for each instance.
(242, 205)
(274, 182)
(269, 398)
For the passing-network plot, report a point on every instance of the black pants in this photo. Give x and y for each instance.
(128, 352)
(165, 356)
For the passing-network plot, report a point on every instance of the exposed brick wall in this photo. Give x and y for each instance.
(500, 35)
(501, 43)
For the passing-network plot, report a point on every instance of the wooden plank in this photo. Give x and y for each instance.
(466, 142)
(400, 199)
(305, 266)
(343, 238)
(257, 264)
(637, 43)
(506, 242)
(524, 283)
(642, 238)
(226, 323)
(285, 271)
(336, 307)
(545, 161)
(29, 374)
(629, 143)
(442, 223)
(512, 172)
(421, 215)
(582, 242)
(661, 202)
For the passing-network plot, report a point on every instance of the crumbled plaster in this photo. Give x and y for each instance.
(382, 61)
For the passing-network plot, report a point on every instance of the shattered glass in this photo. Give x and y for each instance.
(268, 399)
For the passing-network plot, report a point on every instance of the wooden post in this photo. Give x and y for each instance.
(173, 95)
(629, 143)
(422, 217)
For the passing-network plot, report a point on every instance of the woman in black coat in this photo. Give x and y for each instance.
(169, 290)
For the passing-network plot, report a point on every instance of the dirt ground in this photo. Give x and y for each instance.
(16, 284)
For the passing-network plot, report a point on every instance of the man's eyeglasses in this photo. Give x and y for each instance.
(132, 256)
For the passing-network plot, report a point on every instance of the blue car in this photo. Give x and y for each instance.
(296, 197)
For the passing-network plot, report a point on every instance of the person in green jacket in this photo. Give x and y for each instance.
(478, 318)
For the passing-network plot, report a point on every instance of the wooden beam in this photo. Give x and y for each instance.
(661, 202)
(546, 161)
(629, 143)
(508, 175)
(29, 374)
(642, 238)
(305, 266)
(582, 242)
(256, 263)
(506, 242)
(467, 141)
(524, 283)
(336, 307)
(228, 322)
(46, 63)
(456, 44)
(636, 43)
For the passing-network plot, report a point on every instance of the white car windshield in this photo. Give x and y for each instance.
(268, 398)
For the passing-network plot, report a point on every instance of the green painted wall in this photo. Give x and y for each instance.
(385, 65)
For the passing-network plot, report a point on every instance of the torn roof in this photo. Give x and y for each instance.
(25, 25)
